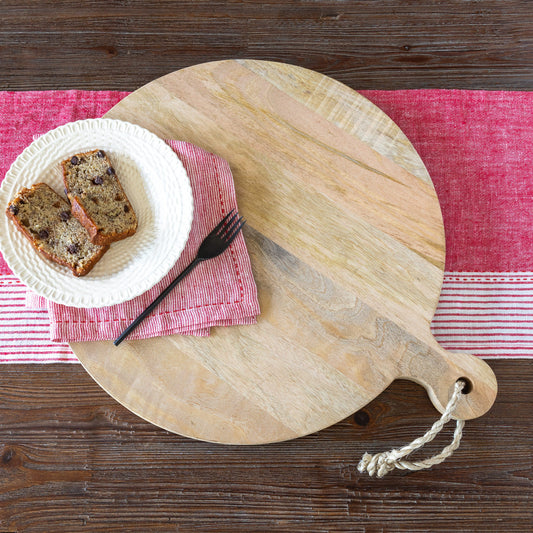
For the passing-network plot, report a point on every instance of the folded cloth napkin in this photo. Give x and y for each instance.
(218, 292)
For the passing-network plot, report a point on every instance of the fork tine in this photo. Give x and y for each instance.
(235, 230)
(227, 227)
(221, 223)
(232, 224)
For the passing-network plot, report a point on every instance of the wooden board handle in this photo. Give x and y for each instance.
(437, 370)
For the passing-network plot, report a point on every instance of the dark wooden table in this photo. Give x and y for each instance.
(72, 459)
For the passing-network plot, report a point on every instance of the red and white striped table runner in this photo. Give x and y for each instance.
(478, 149)
(477, 146)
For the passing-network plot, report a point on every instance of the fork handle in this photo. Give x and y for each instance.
(157, 301)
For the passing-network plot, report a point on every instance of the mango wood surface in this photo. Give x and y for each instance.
(347, 245)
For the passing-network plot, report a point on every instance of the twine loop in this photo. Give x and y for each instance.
(382, 463)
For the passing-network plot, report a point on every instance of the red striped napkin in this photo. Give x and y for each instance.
(218, 292)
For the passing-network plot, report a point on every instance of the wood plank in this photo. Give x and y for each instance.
(73, 459)
(425, 44)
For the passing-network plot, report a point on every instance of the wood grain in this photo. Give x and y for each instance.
(387, 44)
(73, 459)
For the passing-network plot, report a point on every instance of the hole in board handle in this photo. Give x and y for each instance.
(467, 389)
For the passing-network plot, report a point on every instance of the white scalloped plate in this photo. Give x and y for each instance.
(157, 186)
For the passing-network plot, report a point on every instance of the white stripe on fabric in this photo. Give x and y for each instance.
(489, 314)
(25, 333)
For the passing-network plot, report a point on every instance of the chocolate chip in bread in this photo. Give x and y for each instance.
(45, 219)
(97, 198)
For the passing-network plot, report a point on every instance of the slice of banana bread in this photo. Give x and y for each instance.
(45, 219)
(97, 198)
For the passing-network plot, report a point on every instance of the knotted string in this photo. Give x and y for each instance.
(381, 464)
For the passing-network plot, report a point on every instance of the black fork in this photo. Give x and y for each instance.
(222, 235)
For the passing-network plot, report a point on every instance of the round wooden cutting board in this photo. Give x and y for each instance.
(346, 241)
